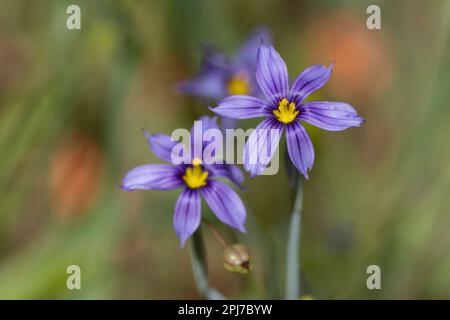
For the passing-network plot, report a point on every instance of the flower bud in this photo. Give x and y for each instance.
(237, 258)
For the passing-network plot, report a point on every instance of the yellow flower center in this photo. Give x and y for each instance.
(238, 85)
(286, 111)
(194, 176)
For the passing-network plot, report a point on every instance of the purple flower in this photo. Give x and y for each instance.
(195, 178)
(221, 76)
(283, 107)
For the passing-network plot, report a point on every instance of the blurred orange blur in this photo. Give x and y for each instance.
(76, 171)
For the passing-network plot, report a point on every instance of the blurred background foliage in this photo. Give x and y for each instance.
(73, 103)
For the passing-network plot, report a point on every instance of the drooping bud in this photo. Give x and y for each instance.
(237, 258)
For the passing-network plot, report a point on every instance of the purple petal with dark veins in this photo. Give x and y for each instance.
(225, 203)
(153, 176)
(261, 146)
(332, 116)
(241, 107)
(161, 145)
(271, 73)
(229, 171)
(300, 148)
(310, 80)
(187, 216)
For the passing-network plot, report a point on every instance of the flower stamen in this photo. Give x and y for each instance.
(286, 112)
(194, 176)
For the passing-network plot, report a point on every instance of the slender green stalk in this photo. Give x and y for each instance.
(293, 246)
(199, 268)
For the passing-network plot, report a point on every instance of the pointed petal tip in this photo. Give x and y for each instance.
(183, 238)
(242, 187)
(147, 134)
(242, 229)
(126, 188)
(331, 66)
(182, 244)
(265, 46)
(123, 185)
(253, 173)
(305, 174)
(361, 121)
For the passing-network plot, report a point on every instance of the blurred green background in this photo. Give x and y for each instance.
(73, 103)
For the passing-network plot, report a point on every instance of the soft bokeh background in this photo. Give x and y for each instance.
(73, 103)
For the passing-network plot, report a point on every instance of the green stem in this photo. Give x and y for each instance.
(293, 246)
(199, 269)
